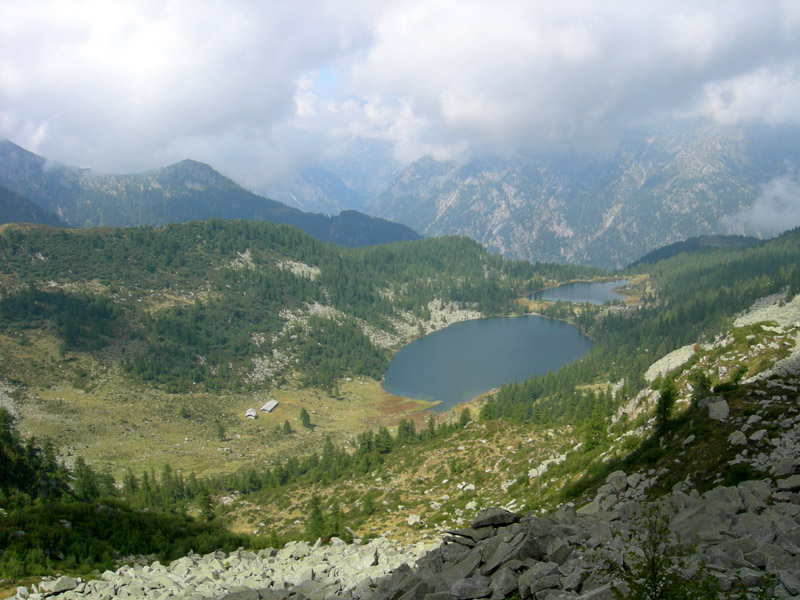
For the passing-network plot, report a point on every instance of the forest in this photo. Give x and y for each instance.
(696, 295)
(203, 299)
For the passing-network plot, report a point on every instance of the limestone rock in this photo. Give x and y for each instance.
(494, 517)
(57, 586)
(737, 438)
(719, 410)
(791, 484)
(473, 587)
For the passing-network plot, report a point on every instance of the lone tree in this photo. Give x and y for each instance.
(666, 401)
(305, 419)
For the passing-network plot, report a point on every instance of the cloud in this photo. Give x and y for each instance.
(258, 89)
(776, 209)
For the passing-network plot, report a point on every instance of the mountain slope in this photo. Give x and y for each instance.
(657, 189)
(185, 191)
(319, 190)
(17, 209)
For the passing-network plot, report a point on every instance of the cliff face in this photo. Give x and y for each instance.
(607, 211)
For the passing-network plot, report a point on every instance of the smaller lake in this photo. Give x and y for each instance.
(582, 291)
(469, 358)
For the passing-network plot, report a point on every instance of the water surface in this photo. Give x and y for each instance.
(468, 358)
(582, 291)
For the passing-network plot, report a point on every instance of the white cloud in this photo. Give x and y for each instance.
(776, 209)
(258, 88)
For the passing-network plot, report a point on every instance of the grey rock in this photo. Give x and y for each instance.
(494, 517)
(790, 581)
(749, 525)
(600, 593)
(473, 587)
(789, 484)
(463, 569)
(504, 583)
(541, 571)
(242, 595)
(417, 592)
(57, 586)
(755, 494)
(521, 546)
(439, 596)
(618, 481)
(574, 581)
(737, 438)
(473, 534)
(559, 551)
(599, 533)
(718, 410)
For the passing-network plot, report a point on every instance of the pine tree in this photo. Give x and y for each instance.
(666, 401)
(315, 526)
(305, 419)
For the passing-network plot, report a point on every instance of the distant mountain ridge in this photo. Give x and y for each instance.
(658, 188)
(697, 244)
(184, 191)
(18, 209)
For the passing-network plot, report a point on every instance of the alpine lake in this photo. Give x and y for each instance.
(469, 358)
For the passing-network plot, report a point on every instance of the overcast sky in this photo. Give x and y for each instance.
(256, 88)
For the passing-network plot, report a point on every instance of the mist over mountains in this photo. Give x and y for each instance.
(184, 191)
(656, 189)
(659, 186)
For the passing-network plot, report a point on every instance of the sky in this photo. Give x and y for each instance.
(260, 88)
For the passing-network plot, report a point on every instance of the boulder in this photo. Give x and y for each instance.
(57, 586)
(718, 410)
(494, 517)
(473, 587)
(737, 438)
(789, 484)
(504, 583)
(618, 481)
(755, 494)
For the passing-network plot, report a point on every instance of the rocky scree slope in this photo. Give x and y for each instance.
(746, 536)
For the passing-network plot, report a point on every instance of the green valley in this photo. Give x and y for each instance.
(131, 356)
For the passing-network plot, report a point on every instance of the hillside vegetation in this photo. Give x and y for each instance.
(92, 310)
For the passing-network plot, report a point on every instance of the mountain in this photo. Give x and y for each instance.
(17, 209)
(319, 190)
(360, 171)
(699, 244)
(658, 188)
(184, 191)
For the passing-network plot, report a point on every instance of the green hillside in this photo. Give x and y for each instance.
(198, 303)
(139, 349)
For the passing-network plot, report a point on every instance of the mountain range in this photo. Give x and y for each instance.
(183, 191)
(657, 188)
(660, 186)
(18, 209)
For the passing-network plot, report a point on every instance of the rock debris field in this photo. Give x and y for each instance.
(746, 535)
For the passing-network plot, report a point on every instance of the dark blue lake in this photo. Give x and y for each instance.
(466, 359)
(581, 291)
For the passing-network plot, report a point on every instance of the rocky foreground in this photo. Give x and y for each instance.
(748, 535)
(298, 569)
